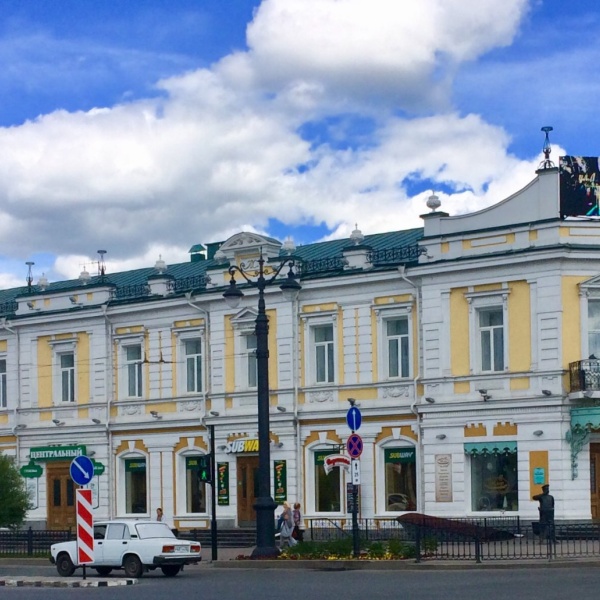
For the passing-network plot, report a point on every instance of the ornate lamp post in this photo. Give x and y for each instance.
(265, 505)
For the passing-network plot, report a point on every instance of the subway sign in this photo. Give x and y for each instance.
(56, 452)
(241, 446)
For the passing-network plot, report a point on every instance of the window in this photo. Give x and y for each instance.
(195, 489)
(135, 486)
(400, 479)
(3, 399)
(117, 531)
(494, 482)
(397, 346)
(67, 376)
(491, 335)
(133, 364)
(250, 345)
(323, 354)
(593, 328)
(327, 485)
(193, 365)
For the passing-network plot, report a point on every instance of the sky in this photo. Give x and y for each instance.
(144, 128)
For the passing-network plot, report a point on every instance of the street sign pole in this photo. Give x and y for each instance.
(354, 447)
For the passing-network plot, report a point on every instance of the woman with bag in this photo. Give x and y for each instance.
(287, 527)
(298, 533)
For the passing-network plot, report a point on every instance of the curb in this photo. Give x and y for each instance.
(63, 583)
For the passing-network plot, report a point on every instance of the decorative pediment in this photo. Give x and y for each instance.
(246, 245)
(590, 287)
(245, 319)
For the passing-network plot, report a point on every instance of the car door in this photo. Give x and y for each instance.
(115, 544)
(99, 537)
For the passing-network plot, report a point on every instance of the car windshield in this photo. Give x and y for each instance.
(153, 530)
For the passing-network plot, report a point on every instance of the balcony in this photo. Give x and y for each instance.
(585, 375)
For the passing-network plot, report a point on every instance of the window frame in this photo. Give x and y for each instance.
(122, 483)
(399, 311)
(480, 302)
(184, 336)
(244, 325)
(61, 348)
(125, 342)
(182, 482)
(311, 324)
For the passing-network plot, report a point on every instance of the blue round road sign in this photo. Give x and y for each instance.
(353, 418)
(354, 445)
(82, 470)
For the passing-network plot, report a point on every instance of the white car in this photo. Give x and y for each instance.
(134, 546)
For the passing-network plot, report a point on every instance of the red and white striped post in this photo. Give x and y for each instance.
(85, 528)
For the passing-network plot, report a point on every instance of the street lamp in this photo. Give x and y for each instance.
(265, 505)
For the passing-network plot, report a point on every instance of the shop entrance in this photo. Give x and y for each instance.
(60, 492)
(595, 479)
(247, 490)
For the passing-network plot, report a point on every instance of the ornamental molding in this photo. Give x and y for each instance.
(321, 396)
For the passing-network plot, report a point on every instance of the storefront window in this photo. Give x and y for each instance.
(195, 489)
(135, 485)
(400, 479)
(494, 482)
(327, 485)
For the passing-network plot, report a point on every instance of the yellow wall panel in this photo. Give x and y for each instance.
(538, 459)
(571, 320)
(462, 387)
(445, 247)
(505, 429)
(487, 287)
(229, 357)
(3, 345)
(533, 235)
(519, 383)
(459, 332)
(273, 355)
(162, 407)
(340, 346)
(44, 360)
(4, 419)
(83, 368)
(311, 308)
(519, 324)
(393, 299)
(475, 430)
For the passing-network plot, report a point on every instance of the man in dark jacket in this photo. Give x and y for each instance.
(546, 509)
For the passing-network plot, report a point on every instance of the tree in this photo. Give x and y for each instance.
(14, 499)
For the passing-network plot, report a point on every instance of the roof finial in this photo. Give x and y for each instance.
(433, 202)
(357, 235)
(546, 163)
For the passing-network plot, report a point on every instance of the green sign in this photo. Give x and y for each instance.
(135, 465)
(99, 468)
(56, 452)
(280, 472)
(223, 484)
(400, 455)
(31, 471)
(202, 464)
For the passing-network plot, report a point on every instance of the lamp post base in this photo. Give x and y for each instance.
(265, 552)
(265, 528)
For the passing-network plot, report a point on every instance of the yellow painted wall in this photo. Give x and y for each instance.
(392, 299)
(487, 287)
(462, 387)
(538, 459)
(374, 347)
(520, 383)
(273, 355)
(162, 407)
(312, 308)
(4, 419)
(340, 346)
(475, 430)
(44, 360)
(519, 327)
(505, 429)
(571, 320)
(3, 345)
(459, 332)
(445, 247)
(229, 357)
(83, 368)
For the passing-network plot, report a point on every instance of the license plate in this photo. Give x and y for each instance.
(181, 549)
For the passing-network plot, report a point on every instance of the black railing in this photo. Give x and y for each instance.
(322, 265)
(190, 283)
(132, 291)
(400, 255)
(8, 308)
(585, 375)
(32, 542)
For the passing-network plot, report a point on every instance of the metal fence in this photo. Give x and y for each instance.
(32, 542)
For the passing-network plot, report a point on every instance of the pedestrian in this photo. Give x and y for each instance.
(546, 509)
(298, 533)
(287, 527)
(159, 514)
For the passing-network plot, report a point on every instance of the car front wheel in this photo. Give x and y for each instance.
(133, 566)
(64, 565)
(170, 570)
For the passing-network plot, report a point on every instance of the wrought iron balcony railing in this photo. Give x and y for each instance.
(585, 375)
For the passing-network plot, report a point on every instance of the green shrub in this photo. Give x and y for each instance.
(400, 549)
(376, 550)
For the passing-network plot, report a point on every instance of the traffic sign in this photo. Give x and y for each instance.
(353, 418)
(354, 445)
(85, 525)
(82, 470)
(355, 472)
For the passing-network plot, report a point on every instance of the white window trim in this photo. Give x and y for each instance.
(585, 295)
(384, 314)
(309, 460)
(123, 377)
(380, 501)
(244, 324)
(183, 336)
(480, 301)
(4, 401)
(59, 348)
(181, 482)
(121, 489)
(310, 322)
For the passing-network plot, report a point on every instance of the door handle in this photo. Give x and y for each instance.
(124, 543)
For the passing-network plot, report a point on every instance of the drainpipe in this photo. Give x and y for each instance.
(413, 406)
(4, 325)
(109, 384)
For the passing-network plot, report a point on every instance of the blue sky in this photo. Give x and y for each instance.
(146, 127)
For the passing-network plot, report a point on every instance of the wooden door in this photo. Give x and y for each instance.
(595, 479)
(247, 489)
(60, 494)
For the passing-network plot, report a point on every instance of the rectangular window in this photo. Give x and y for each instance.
(251, 365)
(193, 365)
(3, 398)
(323, 353)
(397, 347)
(494, 482)
(135, 486)
(195, 488)
(491, 331)
(67, 377)
(400, 479)
(327, 485)
(133, 359)
(594, 328)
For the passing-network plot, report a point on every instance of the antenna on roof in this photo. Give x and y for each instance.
(547, 163)
(101, 264)
(29, 275)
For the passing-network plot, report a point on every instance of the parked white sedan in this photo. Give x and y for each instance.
(134, 546)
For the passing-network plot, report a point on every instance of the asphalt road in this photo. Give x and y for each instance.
(240, 584)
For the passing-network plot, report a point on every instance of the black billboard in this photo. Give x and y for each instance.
(579, 186)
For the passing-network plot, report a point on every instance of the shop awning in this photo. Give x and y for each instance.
(585, 418)
(491, 447)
